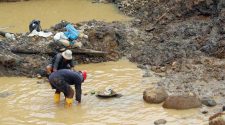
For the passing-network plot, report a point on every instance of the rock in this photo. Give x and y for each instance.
(208, 101)
(39, 76)
(217, 119)
(182, 102)
(153, 68)
(5, 94)
(93, 92)
(150, 28)
(163, 69)
(137, 21)
(204, 110)
(146, 74)
(155, 95)
(160, 122)
(174, 65)
(142, 66)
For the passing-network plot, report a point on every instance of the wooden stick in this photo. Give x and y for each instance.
(75, 51)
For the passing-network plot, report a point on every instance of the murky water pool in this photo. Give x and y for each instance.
(23, 101)
(15, 17)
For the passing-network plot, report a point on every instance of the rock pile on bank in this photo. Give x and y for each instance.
(29, 55)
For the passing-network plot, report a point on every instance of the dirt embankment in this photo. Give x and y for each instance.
(183, 41)
(29, 55)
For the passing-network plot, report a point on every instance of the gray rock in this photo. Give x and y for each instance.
(208, 101)
(160, 122)
(150, 28)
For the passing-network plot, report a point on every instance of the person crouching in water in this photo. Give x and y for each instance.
(61, 81)
(60, 61)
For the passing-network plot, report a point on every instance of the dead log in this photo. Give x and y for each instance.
(75, 51)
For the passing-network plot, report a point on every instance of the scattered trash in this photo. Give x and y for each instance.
(35, 25)
(71, 33)
(41, 33)
(108, 93)
(10, 36)
(36, 30)
(59, 35)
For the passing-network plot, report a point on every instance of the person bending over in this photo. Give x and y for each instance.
(61, 81)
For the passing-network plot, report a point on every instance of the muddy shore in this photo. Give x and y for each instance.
(181, 41)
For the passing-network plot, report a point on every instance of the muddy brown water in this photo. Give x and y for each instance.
(30, 101)
(17, 16)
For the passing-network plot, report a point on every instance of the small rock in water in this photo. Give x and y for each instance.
(160, 122)
(5, 94)
(38, 76)
(92, 92)
(40, 82)
(204, 111)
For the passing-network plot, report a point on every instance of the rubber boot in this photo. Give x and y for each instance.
(57, 97)
(69, 102)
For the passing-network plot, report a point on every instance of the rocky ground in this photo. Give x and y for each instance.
(182, 41)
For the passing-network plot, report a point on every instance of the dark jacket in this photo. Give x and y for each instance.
(58, 62)
(69, 77)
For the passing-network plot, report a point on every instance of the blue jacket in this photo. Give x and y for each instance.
(71, 33)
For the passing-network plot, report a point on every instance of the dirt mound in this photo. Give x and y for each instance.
(167, 31)
(106, 42)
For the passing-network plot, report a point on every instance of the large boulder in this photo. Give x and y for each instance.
(182, 102)
(155, 95)
(217, 119)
